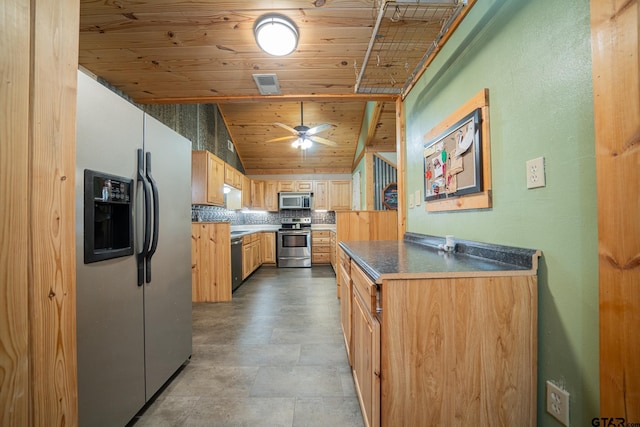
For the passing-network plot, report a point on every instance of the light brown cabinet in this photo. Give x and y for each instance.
(232, 177)
(251, 256)
(339, 195)
(207, 179)
(321, 195)
(344, 271)
(246, 191)
(295, 186)
(210, 262)
(365, 225)
(320, 247)
(271, 196)
(457, 350)
(365, 336)
(268, 247)
(257, 194)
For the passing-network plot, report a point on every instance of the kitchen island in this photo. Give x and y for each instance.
(439, 338)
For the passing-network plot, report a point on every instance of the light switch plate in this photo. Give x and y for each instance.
(417, 198)
(535, 173)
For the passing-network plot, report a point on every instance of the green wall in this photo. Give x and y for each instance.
(534, 57)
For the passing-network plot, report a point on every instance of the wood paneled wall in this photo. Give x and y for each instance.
(38, 385)
(615, 33)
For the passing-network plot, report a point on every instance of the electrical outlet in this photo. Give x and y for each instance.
(535, 173)
(558, 403)
(410, 200)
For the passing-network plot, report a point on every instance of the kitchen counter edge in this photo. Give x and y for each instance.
(418, 257)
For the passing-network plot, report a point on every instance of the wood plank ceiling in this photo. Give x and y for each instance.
(187, 51)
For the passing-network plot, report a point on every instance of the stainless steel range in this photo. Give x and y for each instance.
(294, 242)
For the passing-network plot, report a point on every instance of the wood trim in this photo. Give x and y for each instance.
(14, 214)
(401, 149)
(368, 174)
(52, 255)
(271, 98)
(615, 33)
(385, 159)
(373, 123)
(473, 201)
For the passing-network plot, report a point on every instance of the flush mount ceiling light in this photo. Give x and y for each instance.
(276, 34)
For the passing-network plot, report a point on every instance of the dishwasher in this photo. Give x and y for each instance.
(236, 263)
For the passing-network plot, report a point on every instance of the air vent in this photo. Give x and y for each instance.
(267, 84)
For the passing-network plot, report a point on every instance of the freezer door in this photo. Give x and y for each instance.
(167, 297)
(109, 308)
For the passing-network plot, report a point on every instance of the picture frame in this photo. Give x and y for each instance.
(453, 160)
(390, 196)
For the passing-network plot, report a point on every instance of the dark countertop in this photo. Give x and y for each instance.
(415, 258)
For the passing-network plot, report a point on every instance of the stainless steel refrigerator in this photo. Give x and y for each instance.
(133, 228)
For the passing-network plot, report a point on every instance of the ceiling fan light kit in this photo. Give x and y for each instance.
(276, 34)
(304, 136)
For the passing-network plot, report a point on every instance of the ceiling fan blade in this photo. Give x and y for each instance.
(283, 138)
(289, 128)
(318, 129)
(322, 140)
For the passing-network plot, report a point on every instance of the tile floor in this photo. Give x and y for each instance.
(274, 356)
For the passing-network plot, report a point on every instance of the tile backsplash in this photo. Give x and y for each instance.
(218, 214)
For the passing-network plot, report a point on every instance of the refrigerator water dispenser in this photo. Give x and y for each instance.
(108, 216)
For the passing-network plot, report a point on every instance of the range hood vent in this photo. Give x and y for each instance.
(267, 84)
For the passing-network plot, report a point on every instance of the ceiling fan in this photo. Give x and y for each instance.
(303, 136)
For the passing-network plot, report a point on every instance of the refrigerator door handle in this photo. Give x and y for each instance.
(147, 217)
(156, 218)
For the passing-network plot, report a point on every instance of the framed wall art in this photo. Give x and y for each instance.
(456, 163)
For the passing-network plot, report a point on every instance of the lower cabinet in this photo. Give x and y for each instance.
(268, 247)
(210, 262)
(320, 247)
(441, 351)
(344, 272)
(365, 338)
(251, 256)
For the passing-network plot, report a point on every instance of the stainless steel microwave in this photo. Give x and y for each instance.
(295, 201)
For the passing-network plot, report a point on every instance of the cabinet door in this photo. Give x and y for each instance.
(366, 360)
(345, 309)
(339, 195)
(215, 180)
(256, 255)
(271, 196)
(321, 195)
(286, 186)
(247, 260)
(268, 248)
(257, 194)
(207, 179)
(246, 192)
(303, 185)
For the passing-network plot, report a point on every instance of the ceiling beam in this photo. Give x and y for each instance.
(373, 123)
(262, 98)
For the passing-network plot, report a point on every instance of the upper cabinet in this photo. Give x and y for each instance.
(207, 179)
(232, 177)
(246, 191)
(271, 196)
(257, 194)
(295, 186)
(321, 195)
(339, 195)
